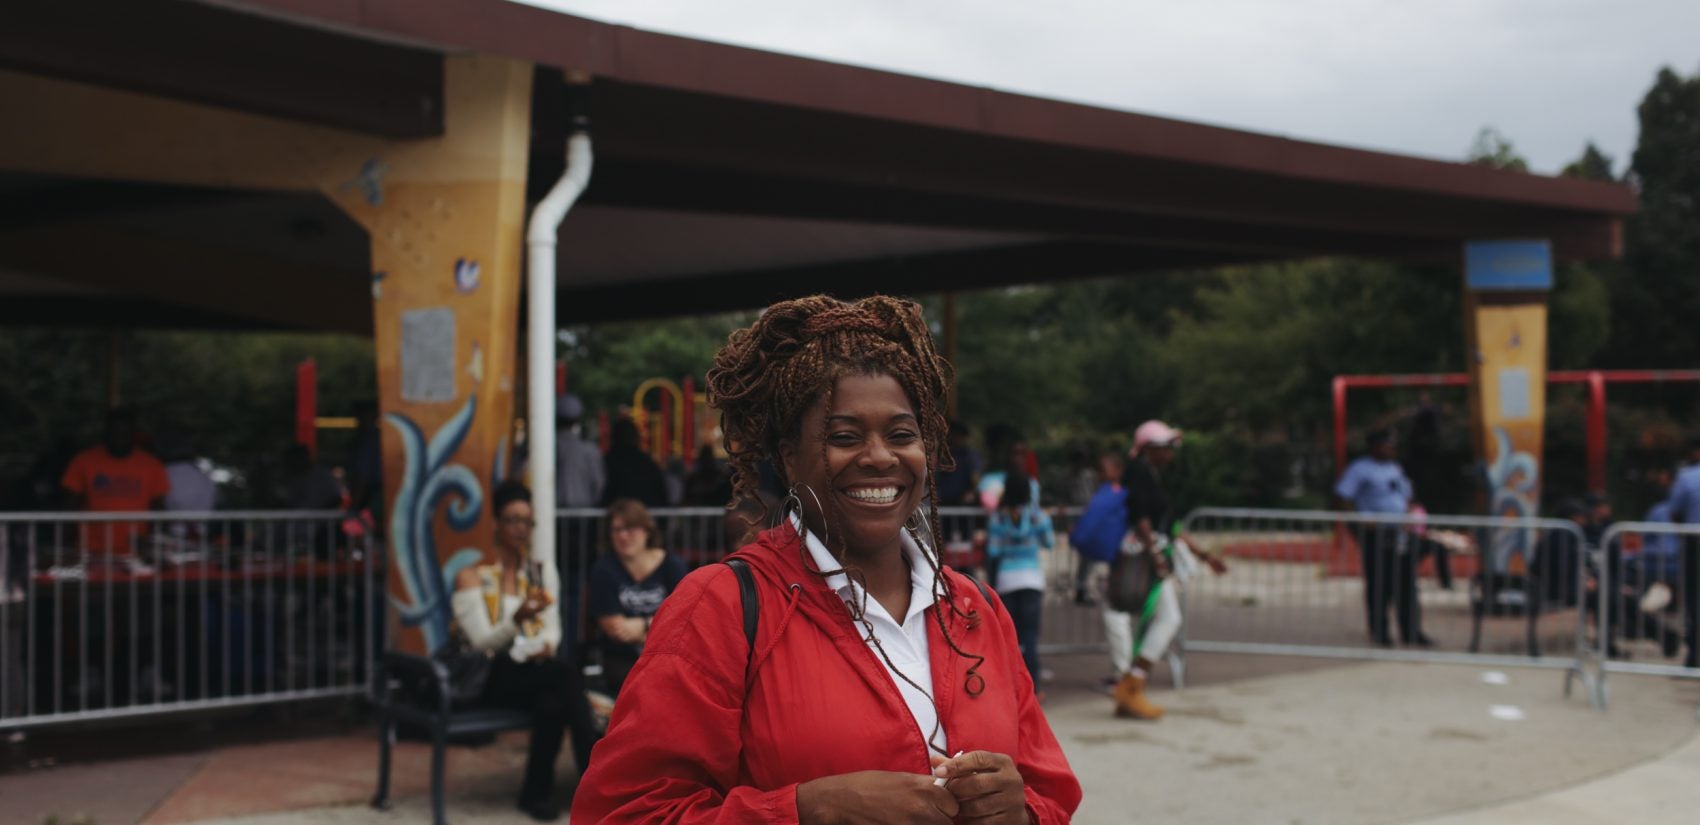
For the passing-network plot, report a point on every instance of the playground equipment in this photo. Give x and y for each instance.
(1595, 379)
(679, 422)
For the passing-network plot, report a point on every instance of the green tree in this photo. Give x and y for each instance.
(1656, 296)
(1592, 165)
(606, 363)
(1493, 149)
(1072, 361)
(1579, 318)
(231, 395)
(1264, 345)
(1009, 346)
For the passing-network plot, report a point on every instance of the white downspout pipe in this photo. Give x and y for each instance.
(540, 241)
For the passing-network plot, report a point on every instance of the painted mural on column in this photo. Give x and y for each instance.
(1508, 325)
(1513, 350)
(430, 480)
(446, 219)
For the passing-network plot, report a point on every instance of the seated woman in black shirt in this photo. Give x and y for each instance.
(627, 586)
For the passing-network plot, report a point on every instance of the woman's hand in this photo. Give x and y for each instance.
(987, 786)
(636, 629)
(529, 608)
(874, 798)
(627, 630)
(631, 630)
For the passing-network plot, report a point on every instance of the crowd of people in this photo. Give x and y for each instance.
(132, 470)
(1645, 576)
(864, 671)
(1126, 532)
(1650, 575)
(878, 560)
(586, 477)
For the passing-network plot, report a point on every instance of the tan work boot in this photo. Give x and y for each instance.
(1131, 701)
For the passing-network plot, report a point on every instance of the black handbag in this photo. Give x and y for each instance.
(1131, 578)
(469, 671)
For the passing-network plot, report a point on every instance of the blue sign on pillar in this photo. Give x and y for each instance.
(1508, 266)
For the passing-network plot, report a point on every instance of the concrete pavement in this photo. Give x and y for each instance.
(1255, 740)
(1371, 743)
(1663, 791)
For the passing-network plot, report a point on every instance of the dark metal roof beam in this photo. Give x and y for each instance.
(227, 58)
(977, 269)
(203, 279)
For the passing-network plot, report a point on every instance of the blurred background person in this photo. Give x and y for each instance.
(709, 484)
(579, 474)
(957, 486)
(1015, 534)
(630, 472)
(627, 586)
(307, 484)
(115, 476)
(503, 612)
(1151, 524)
(1375, 483)
(1685, 509)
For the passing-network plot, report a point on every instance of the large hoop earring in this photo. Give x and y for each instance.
(791, 495)
(826, 529)
(791, 500)
(924, 526)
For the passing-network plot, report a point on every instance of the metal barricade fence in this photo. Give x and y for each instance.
(1645, 600)
(131, 614)
(115, 615)
(1465, 589)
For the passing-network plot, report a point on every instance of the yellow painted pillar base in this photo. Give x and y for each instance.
(447, 219)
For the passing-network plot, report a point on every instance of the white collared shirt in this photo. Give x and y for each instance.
(906, 642)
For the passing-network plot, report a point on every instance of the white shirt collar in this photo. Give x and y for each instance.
(921, 594)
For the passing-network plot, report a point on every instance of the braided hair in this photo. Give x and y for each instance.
(771, 373)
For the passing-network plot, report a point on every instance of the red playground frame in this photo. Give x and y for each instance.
(1595, 379)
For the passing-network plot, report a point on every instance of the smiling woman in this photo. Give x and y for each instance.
(881, 686)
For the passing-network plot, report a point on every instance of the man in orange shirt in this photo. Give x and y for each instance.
(115, 477)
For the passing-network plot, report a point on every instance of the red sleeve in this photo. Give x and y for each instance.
(1053, 793)
(75, 479)
(672, 749)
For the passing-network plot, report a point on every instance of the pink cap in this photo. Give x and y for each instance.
(1155, 433)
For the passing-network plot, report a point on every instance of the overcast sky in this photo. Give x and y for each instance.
(1411, 76)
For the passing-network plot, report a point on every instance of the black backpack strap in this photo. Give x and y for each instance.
(752, 604)
(984, 593)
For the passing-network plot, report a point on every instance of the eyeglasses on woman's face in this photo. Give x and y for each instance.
(517, 521)
(617, 528)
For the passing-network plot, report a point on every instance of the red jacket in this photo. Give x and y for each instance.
(690, 744)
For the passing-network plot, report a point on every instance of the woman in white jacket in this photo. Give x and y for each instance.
(504, 609)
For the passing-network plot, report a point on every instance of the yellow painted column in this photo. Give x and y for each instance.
(446, 218)
(1506, 323)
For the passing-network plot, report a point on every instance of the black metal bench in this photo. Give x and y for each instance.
(414, 690)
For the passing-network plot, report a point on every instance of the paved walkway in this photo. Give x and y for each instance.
(1664, 790)
(1254, 740)
(1372, 743)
